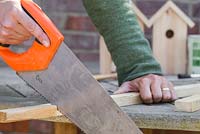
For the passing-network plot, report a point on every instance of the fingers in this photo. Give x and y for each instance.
(166, 91)
(173, 94)
(22, 30)
(8, 36)
(156, 91)
(125, 87)
(145, 91)
(29, 24)
(152, 89)
(10, 41)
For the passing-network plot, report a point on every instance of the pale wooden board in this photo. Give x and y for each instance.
(27, 113)
(188, 104)
(126, 99)
(105, 76)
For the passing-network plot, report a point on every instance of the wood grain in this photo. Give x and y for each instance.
(105, 76)
(170, 52)
(65, 128)
(69, 85)
(188, 104)
(27, 113)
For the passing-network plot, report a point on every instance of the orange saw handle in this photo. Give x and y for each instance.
(37, 57)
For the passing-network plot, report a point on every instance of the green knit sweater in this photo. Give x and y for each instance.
(130, 51)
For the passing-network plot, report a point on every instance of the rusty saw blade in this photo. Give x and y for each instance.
(69, 85)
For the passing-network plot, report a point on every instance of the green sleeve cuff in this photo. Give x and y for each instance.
(130, 51)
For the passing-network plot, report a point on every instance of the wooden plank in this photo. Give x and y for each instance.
(25, 113)
(105, 76)
(188, 104)
(126, 99)
(187, 90)
(65, 128)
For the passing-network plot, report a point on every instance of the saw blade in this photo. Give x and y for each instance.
(69, 85)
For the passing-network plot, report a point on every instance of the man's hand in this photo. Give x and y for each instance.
(16, 26)
(152, 89)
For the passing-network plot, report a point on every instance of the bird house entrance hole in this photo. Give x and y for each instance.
(170, 34)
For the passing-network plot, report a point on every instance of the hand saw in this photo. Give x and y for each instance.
(59, 76)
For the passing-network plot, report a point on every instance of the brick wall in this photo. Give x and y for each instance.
(80, 34)
(72, 19)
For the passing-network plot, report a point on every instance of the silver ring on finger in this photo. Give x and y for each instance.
(165, 89)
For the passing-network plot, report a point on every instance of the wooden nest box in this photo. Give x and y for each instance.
(170, 30)
(106, 64)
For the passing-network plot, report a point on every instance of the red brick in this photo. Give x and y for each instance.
(196, 10)
(82, 41)
(80, 23)
(195, 29)
(59, 19)
(75, 6)
(149, 7)
(63, 5)
(41, 127)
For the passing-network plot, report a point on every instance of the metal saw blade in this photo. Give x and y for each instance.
(69, 85)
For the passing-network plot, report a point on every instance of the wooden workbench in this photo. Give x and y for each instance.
(15, 93)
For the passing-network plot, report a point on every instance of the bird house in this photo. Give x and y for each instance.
(106, 64)
(170, 26)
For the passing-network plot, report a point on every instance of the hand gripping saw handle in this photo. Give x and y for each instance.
(37, 57)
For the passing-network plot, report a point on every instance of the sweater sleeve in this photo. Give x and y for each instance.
(130, 51)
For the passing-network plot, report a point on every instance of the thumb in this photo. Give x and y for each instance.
(32, 27)
(124, 88)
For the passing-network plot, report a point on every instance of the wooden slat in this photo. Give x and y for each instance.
(105, 76)
(25, 113)
(127, 99)
(188, 104)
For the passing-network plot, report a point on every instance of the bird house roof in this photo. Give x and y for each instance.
(140, 15)
(177, 10)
